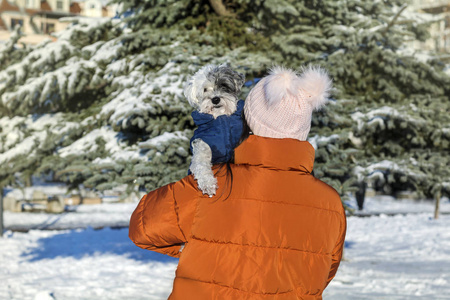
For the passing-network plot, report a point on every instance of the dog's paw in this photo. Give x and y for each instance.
(208, 185)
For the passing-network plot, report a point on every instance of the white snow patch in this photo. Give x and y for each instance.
(81, 264)
(376, 116)
(15, 129)
(87, 143)
(21, 148)
(163, 138)
(318, 141)
(117, 149)
(143, 95)
(108, 52)
(401, 257)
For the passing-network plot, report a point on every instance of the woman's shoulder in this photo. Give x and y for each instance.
(291, 187)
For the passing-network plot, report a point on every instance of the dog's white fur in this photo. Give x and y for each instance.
(199, 92)
(201, 167)
(225, 107)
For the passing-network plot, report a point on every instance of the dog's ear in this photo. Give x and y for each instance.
(239, 80)
(193, 90)
(190, 92)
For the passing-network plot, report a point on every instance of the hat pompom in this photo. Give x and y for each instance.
(280, 83)
(317, 85)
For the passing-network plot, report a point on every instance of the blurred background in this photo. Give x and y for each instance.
(92, 116)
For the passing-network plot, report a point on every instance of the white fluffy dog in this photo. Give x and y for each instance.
(214, 91)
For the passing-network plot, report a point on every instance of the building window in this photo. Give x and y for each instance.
(59, 5)
(47, 28)
(14, 22)
(93, 6)
(50, 27)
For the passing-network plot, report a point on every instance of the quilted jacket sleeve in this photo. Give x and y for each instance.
(338, 249)
(161, 222)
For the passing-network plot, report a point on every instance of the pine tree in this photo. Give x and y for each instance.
(103, 105)
(399, 117)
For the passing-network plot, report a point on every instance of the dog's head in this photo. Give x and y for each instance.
(214, 90)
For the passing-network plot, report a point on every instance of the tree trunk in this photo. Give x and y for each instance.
(220, 8)
(28, 180)
(81, 196)
(360, 194)
(436, 207)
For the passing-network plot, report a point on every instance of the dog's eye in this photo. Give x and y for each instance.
(227, 88)
(204, 90)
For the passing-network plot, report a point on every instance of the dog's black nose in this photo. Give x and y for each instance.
(215, 100)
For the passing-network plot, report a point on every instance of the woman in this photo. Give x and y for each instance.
(279, 233)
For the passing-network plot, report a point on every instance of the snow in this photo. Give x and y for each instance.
(400, 257)
(116, 67)
(83, 216)
(108, 51)
(27, 192)
(91, 49)
(344, 28)
(388, 205)
(145, 94)
(423, 56)
(81, 264)
(36, 126)
(378, 115)
(68, 75)
(377, 28)
(317, 141)
(50, 54)
(389, 165)
(115, 147)
(125, 103)
(21, 148)
(79, 23)
(169, 79)
(162, 139)
(88, 142)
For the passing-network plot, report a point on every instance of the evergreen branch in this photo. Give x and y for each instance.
(220, 8)
(66, 171)
(394, 19)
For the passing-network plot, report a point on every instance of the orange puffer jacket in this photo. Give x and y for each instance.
(279, 234)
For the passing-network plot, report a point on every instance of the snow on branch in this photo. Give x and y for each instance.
(379, 117)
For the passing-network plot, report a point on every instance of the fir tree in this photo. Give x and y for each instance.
(103, 105)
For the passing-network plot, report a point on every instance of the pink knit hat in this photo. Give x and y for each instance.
(281, 104)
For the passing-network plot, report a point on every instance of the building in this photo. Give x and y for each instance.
(440, 31)
(40, 18)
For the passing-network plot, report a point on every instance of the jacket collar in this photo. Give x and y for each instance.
(281, 154)
(203, 118)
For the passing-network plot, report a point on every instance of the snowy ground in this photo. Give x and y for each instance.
(400, 257)
(83, 216)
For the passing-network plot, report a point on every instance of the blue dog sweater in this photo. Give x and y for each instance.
(221, 134)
